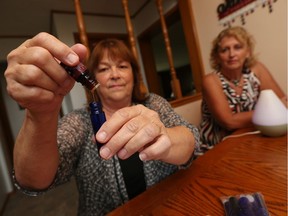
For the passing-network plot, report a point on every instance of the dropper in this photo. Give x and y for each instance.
(81, 74)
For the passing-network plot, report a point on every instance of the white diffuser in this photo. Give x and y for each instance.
(270, 114)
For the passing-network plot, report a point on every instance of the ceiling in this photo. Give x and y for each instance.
(29, 17)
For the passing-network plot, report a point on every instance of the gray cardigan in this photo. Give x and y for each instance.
(100, 182)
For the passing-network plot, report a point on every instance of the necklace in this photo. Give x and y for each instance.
(236, 82)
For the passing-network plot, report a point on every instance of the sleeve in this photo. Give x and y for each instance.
(73, 132)
(171, 119)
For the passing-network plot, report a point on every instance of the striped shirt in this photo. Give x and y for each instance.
(211, 132)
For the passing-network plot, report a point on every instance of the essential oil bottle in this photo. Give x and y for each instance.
(97, 118)
(81, 74)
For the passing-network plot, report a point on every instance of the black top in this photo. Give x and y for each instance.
(132, 169)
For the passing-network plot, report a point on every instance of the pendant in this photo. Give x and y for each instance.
(235, 82)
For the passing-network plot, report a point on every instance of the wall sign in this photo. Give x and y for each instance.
(232, 9)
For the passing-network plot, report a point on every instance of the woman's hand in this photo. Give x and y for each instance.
(133, 129)
(34, 77)
(37, 82)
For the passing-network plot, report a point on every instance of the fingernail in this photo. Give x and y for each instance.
(72, 58)
(143, 156)
(101, 136)
(105, 152)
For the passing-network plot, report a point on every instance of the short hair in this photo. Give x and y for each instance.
(117, 49)
(242, 36)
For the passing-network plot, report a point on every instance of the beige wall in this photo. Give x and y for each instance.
(76, 98)
(269, 30)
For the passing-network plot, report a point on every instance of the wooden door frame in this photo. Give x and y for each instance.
(190, 33)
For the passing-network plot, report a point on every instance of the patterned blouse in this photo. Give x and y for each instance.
(100, 182)
(211, 132)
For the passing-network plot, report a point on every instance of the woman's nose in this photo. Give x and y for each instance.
(231, 52)
(114, 71)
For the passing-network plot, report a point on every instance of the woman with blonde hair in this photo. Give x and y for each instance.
(231, 91)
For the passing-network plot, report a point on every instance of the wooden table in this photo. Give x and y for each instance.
(238, 165)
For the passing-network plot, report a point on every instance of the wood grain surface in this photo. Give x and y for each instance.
(238, 165)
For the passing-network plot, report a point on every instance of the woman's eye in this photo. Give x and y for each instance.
(102, 69)
(237, 47)
(222, 50)
(123, 66)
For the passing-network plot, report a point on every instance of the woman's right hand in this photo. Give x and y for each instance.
(34, 77)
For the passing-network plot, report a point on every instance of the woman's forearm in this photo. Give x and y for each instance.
(182, 145)
(36, 156)
(237, 120)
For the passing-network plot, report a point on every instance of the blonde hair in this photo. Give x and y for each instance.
(242, 36)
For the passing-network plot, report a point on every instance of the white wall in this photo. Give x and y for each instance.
(64, 25)
(5, 179)
(268, 29)
(76, 98)
(15, 115)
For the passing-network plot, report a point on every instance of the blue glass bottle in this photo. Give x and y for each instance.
(97, 118)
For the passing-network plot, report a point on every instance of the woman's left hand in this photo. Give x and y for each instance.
(134, 129)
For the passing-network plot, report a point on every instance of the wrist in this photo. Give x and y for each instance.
(42, 117)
